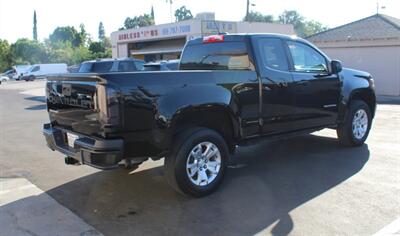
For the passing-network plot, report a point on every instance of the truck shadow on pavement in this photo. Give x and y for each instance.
(271, 180)
(40, 99)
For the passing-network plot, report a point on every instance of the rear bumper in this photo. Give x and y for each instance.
(99, 153)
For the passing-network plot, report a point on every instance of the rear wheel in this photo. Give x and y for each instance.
(354, 131)
(197, 163)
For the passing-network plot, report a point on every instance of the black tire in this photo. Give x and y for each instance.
(175, 163)
(31, 78)
(345, 132)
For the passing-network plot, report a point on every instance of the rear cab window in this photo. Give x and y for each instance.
(85, 67)
(227, 55)
(102, 67)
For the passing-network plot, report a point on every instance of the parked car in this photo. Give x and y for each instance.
(4, 78)
(162, 65)
(9, 73)
(40, 71)
(231, 90)
(111, 65)
(20, 70)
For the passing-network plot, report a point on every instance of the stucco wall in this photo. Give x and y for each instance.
(257, 27)
(383, 62)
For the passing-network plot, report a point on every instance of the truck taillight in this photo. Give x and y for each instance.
(213, 38)
(108, 105)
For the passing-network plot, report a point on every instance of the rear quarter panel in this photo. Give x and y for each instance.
(152, 101)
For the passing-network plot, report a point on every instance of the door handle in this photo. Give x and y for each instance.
(303, 82)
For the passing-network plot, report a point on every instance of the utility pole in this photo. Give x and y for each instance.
(170, 9)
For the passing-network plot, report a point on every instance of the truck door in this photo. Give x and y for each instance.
(277, 103)
(317, 91)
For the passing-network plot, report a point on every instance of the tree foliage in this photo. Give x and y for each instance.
(302, 26)
(69, 34)
(26, 51)
(138, 21)
(312, 27)
(258, 17)
(34, 26)
(5, 55)
(64, 52)
(183, 14)
(102, 32)
(65, 45)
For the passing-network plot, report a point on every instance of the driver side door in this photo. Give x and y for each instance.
(317, 92)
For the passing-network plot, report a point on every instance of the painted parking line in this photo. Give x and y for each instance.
(391, 229)
(27, 210)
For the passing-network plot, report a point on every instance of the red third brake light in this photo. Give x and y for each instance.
(213, 39)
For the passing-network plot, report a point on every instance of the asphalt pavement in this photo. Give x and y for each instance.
(308, 185)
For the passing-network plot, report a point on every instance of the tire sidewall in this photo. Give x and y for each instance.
(182, 155)
(354, 107)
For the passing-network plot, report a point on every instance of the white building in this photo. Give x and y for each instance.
(371, 44)
(166, 41)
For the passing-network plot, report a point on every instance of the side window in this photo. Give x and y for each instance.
(36, 68)
(102, 67)
(306, 59)
(126, 66)
(273, 54)
(139, 65)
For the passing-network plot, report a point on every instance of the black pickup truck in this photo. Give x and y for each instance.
(230, 90)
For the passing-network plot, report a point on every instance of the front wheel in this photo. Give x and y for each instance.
(197, 163)
(355, 129)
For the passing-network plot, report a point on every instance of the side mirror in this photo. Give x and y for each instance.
(336, 66)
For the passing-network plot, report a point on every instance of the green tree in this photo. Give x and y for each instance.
(34, 26)
(69, 34)
(183, 14)
(312, 27)
(5, 56)
(291, 17)
(64, 52)
(102, 32)
(83, 35)
(97, 47)
(152, 12)
(25, 51)
(258, 17)
(302, 26)
(138, 21)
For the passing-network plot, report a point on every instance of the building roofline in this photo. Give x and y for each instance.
(388, 19)
(381, 16)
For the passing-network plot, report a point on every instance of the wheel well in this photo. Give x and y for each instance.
(367, 96)
(217, 120)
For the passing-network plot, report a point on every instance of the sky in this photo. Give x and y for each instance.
(16, 16)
